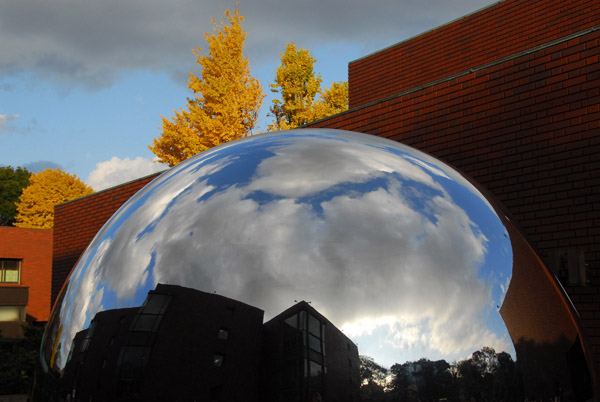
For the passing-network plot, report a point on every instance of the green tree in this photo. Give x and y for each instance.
(12, 183)
(491, 374)
(370, 371)
(47, 189)
(18, 359)
(373, 378)
(302, 98)
(226, 99)
(433, 378)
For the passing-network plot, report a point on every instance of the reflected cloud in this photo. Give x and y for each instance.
(391, 245)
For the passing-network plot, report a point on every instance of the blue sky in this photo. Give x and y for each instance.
(83, 84)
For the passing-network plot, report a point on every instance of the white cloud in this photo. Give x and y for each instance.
(118, 171)
(5, 119)
(91, 43)
(397, 264)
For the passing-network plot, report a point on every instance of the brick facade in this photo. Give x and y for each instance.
(491, 34)
(510, 96)
(77, 222)
(33, 247)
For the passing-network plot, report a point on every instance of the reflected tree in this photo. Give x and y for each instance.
(485, 375)
(489, 375)
(373, 377)
(433, 378)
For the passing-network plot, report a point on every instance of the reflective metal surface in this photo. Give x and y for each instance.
(394, 247)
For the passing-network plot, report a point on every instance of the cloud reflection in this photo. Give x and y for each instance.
(391, 245)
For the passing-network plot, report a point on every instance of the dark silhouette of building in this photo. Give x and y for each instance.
(186, 345)
(305, 354)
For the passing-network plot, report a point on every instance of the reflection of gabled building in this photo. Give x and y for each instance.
(183, 344)
(308, 355)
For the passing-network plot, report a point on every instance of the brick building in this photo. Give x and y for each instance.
(25, 272)
(509, 95)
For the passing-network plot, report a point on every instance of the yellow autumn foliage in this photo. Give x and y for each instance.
(46, 189)
(302, 98)
(226, 98)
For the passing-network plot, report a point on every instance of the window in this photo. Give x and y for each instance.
(151, 313)
(85, 344)
(9, 271)
(223, 334)
(12, 313)
(132, 359)
(569, 265)
(218, 360)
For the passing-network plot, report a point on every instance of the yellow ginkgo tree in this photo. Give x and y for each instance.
(46, 189)
(302, 98)
(226, 99)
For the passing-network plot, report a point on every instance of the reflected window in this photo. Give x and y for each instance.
(229, 311)
(218, 360)
(147, 322)
(223, 334)
(302, 320)
(151, 313)
(132, 359)
(314, 326)
(315, 369)
(10, 271)
(569, 265)
(85, 344)
(314, 343)
(292, 321)
(156, 303)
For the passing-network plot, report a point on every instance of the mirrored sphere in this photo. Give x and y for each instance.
(395, 249)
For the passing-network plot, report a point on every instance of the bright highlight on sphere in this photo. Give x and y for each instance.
(394, 247)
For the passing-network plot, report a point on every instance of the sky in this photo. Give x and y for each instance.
(396, 249)
(83, 84)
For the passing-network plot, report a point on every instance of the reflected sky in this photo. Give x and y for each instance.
(394, 247)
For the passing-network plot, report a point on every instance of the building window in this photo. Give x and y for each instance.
(10, 271)
(223, 334)
(569, 265)
(12, 313)
(151, 312)
(218, 360)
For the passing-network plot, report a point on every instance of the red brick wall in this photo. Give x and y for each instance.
(34, 248)
(498, 31)
(526, 127)
(77, 222)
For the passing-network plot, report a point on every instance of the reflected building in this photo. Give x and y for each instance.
(186, 345)
(395, 247)
(509, 99)
(307, 355)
